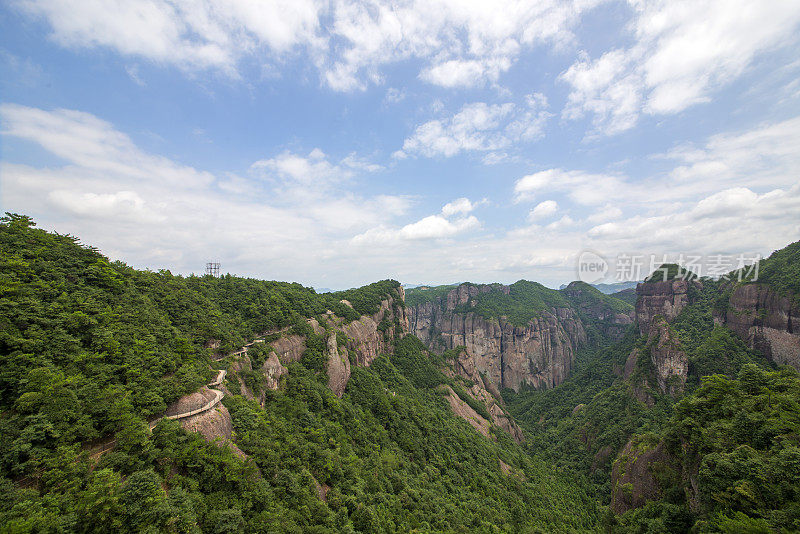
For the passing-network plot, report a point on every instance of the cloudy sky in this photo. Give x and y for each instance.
(340, 142)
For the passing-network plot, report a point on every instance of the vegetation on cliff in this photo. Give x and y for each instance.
(725, 437)
(520, 302)
(735, 450)
(781, 271)
(92, 348)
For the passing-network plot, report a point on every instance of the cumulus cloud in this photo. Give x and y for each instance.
(459, 44)
(437, 226)
(453, 220)
(189, 35)
(737, 218)
(682, 52)
(313, 169)
(606, 213)
(480, 127)
(460, 205)
(160, 213)
(543, 210)
(466, 73)
(582, 187)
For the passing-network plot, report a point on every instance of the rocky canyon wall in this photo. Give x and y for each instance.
(540, 353)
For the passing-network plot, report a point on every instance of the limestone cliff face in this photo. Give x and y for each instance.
(371, 336)
(656, 305)
(666, 298)
(486, 392)
(367, 338)
(671, 364)
(766, 322)
(338, 366)
(540, 353)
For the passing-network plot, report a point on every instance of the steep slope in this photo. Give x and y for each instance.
(635, 419)
(764, 310)
(522, 334)
(341, 421)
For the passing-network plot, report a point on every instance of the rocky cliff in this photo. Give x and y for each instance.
(371, 336)
(539, 353)
(764, 319)
(484, 391)
(364, 339)
(636, 473)
(665, 298)
(658, 303)
(766, 322)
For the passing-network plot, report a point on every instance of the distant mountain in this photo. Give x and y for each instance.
(323, 290)
(628, 295)
(608, 289)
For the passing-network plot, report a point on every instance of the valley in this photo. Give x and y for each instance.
(143, 399)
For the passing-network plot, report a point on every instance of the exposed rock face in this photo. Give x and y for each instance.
(656, 305)
(289, 348)
(214, 425)
(338, 366)
(273, 370)
(666, 298)
(487, 393)
(766, 322)
(633, 479)
(540, 353)
(465, 411)
(498, 415)
(670, 362)
(192, 401)
(211, 424)
(367, 340)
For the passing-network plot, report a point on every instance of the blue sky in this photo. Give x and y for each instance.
(340, 142)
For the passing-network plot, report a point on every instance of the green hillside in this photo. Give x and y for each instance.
(93, 348)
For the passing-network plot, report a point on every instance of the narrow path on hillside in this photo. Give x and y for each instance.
(260, 339)
(218, 396)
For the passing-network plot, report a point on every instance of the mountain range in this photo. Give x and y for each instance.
(145, 401)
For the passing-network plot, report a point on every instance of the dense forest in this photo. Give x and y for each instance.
(726, 451)
(92, 348)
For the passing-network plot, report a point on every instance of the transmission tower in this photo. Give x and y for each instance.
(212, 268)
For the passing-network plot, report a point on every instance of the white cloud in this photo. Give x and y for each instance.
(437, 226)
(543, 210)
(189, 35)
(683, 52)
(158, 213)
(460, 205)
(466, 73)
(480, 127)
(458, 43)
(735, 219)
(606, 213)
(462, 43)
(564, 222)
(454, 219)
(582, 187)
(301, 174)
(86, 141)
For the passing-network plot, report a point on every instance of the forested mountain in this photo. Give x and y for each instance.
(135, 401)
(336, 421)
(692, 421)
